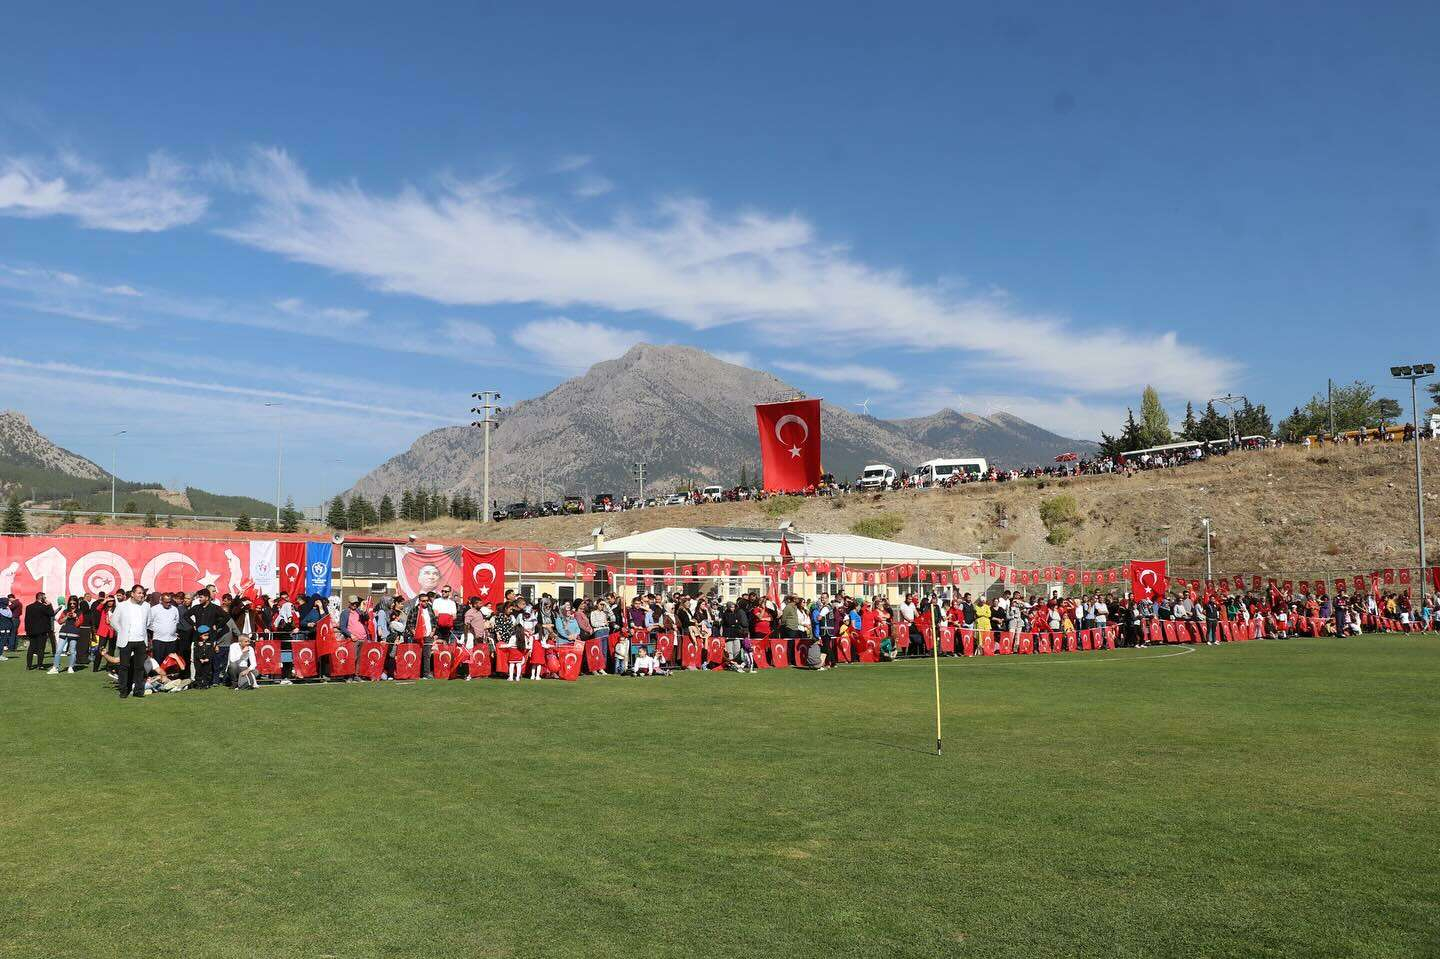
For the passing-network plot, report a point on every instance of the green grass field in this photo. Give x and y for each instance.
(1264, 799)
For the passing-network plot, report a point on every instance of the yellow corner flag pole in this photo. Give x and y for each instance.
(935, 649)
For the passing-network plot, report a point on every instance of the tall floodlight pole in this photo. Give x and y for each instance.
(1229, 400)
(114, 452)
(1414, 374)
(487, 409)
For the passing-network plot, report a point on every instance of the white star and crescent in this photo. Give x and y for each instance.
(794, 449)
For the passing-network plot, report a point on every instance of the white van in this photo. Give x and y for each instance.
(936, 472)
(877, 476)
(712, 494)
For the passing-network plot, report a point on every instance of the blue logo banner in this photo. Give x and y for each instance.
(317, 568)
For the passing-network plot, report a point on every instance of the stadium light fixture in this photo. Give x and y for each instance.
(1414, 373)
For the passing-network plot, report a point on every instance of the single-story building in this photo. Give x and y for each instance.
(736, 560)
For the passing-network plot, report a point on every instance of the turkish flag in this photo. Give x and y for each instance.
(757, 653)
(372, 660)
(571, 656)
(1147, 579)
(779, 653)
(342, 659)
(665, 647)
(789, 444)
(407, 661)
(302, 658)
(267, 657)
(324, 637)
(443, 660)
(480, 660)
(290, 558)
(869, 649)
(689, 653)
(594, 659)
(715, 650)
(482, 574)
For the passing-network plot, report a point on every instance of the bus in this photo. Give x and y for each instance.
(939, 472)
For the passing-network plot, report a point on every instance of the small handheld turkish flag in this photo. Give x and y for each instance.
(1148, 578)
(302, 658)
(789, 444)
(372, 660)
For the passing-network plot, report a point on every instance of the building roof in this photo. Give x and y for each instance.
(745, 544)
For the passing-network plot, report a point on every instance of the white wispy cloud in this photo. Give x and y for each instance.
(685, 264)
(737, 357)
(592, 186)
(872, 377)
(573, 162)
(123, 289)
(566, 345)
(294, 306)
(159, 198)
(65, 372)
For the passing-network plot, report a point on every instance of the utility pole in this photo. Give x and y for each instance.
(637, 470)
(1414, 374)
(1330, 403)
(114, 452)
(487, 410)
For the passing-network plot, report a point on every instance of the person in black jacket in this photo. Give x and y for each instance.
(39, 628)
(210, 615)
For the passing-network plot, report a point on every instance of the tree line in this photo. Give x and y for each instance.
(1355, 406)
(416, 506)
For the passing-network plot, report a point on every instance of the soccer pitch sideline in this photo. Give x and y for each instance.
(1271, 798)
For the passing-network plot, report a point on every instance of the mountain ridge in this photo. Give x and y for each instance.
(688, 416)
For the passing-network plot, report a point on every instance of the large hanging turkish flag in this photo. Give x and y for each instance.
(290, 564)
(1147, 578)
(789, 444)
(483, 574)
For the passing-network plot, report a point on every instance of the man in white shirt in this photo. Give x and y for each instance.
(129, 621)
(242, 667)
(163, 621)
(445, 611)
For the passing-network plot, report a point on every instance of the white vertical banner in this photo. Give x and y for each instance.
(263, 570)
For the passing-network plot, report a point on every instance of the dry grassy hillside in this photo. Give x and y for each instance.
(1282, 510)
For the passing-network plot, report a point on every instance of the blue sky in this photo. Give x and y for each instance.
(360, 215)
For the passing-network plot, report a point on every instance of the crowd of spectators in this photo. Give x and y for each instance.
(168, 642)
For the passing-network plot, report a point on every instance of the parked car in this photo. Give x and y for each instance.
(602, 502)
(519, 511)
(676, 499)
(549, 508)
(712, 494)
(573, 504)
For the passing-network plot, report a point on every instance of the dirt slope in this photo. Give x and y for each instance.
(1284, 510)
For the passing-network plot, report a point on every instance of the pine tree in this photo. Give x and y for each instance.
(150, 519)
(407, 505)
(130, 507)
(289, 518)
(242, 524)
(422, 505)
(70, 506)
(1188, 430)
(744, 475)
(438, 505)
(335, 518)
(357, 513)
(1253, 420)
(98, 519)
(270, 526)
(15, 516)
(1154, 421)
(1212, 426)
(169, 520)
(387, 509)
